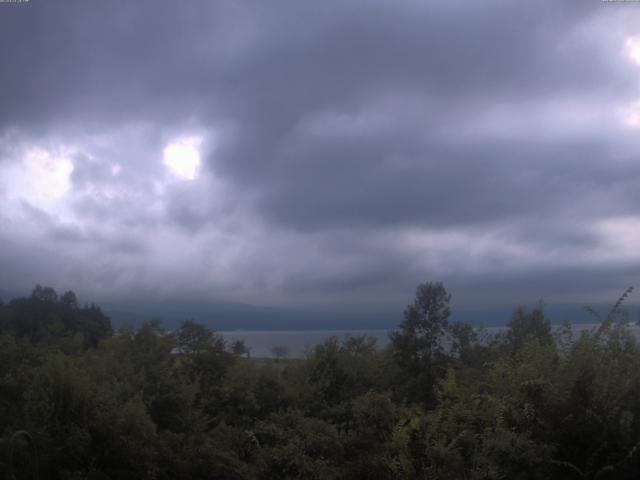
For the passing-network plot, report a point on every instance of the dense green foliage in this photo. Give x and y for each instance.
(440, 402)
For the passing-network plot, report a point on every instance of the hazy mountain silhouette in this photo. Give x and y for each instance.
(220, 315)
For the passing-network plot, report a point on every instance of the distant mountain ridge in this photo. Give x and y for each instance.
(229, 316)
(236, 316)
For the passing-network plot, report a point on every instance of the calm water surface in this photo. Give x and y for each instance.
(297, 342)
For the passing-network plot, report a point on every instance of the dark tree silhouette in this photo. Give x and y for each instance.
(418, 343)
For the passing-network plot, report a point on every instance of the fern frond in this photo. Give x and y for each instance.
(607, 322)
(593, 312)
(568, 466)
(618, 304)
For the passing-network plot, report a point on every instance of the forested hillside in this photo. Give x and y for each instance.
(442, 401)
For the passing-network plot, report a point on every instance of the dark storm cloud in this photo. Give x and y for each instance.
(267, 67)
(90, 61)
(445, 64)
(347, 145)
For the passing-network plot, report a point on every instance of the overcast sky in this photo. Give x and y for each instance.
(325, 154)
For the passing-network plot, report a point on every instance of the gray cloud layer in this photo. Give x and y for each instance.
(350, 149)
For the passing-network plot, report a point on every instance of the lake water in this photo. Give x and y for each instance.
(298, 341)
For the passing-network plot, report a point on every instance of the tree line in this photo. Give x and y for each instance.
(441, 401)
